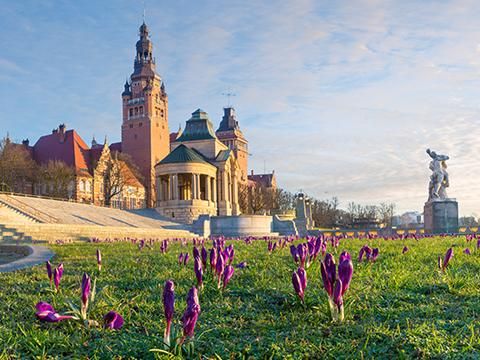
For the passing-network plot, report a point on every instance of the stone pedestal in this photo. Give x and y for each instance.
(441, 217)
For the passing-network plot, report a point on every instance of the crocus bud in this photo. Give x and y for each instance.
(99, 260)
(447, 258)
(326, 279)
(374, 254)
(196, 253)
(180, 259)
(213, 259)
(56, 278)
(86, 285)
(49, 271)
(204, 256)
(331, 268)
(297, 285)
(197, 267)
(227, 275)
(60, 270)
(405, 249)
(337, 294)
(113, 320)
(345, 272)
(186, 257)
(294, 252)
(168, 307)
(467, 251)
(302, 275)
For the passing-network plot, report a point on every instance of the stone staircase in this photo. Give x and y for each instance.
(36, 219)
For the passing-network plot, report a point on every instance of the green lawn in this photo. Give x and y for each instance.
(398, 307)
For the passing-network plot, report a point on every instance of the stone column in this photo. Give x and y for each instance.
(193, 187)
(225, 186)
(175, 187)
(207, 188)
(199, 187)
(235, 190)
(170, 187)
(159, 190)
(214, 190)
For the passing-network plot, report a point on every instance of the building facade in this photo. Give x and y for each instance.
(64, 156)
(200, 176)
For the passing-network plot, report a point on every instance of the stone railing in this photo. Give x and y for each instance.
(27, 210)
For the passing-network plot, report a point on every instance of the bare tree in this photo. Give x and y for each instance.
(118, 175)
(57, 178)
(17, 168)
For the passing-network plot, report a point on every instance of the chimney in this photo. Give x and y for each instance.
(61, 133)
(252, 172)
(26, 142)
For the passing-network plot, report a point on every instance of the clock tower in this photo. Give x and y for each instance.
(145, 134)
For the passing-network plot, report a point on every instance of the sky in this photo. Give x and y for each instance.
(340, 98)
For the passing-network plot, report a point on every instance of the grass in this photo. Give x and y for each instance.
(398, 307)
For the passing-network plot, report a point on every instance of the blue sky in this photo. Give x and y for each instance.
(339, 97)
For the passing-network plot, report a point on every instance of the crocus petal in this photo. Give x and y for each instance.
(44, 306)
(337, 293)
(345, 272)
(302, 275)
(169, 299)
(326, 280)
(448, 257)
(49, 271)
(344, 256)
(113, 320)
(227, 275)
(297, 285)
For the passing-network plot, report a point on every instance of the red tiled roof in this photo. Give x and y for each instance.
(266, 180)
(72, 150)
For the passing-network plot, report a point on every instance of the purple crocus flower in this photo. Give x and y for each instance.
(213, 259)
(331, 268)
(302, 275)
(180, 259)
(302, 254)
(337, 294)
(56, 278)
(113, 320)
(168, 307)
(345, 272)
(46, 312)
(99, 260)
(196, 253)
(186, 257)
(190, 316)
(405, 249)
(447, 258)
(197, 267)
(60, 270)
(204, 256)
(297, 285)
(467, 251)
(227, 275)
(241, 265)
(86, 285)
(294, 252)
(374, 254)
(49, 271)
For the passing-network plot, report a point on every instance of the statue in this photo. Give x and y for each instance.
(439, 178)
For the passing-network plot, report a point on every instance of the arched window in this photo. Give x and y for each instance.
(141, 110)
(131, 112)
(136, 111)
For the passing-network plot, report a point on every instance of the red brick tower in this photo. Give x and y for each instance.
(145, 135)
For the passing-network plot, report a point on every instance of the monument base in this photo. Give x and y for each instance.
(440, 217)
